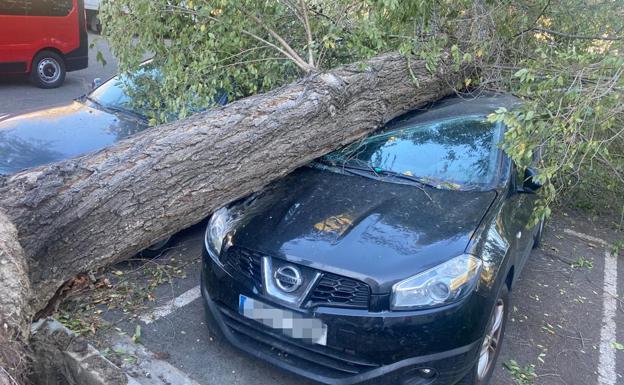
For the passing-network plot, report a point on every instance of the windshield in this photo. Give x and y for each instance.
(112, 94)
(453, 153)
(137, 93)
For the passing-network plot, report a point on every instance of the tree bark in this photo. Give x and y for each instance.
(15, 288)
(14, 311)
(84, 213)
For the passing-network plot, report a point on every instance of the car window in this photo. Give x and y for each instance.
(49, 7)
(461, 151)
(36, 7)
(13, 7)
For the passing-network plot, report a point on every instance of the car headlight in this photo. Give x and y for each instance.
(441, 285)
(219, 225)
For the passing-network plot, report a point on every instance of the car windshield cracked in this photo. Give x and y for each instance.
(455, 154)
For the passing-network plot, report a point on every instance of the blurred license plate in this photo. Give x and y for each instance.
(290, 323)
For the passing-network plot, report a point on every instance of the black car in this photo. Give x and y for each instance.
(389, 261)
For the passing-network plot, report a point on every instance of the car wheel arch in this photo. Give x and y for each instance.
(51, 49)
(45, 48)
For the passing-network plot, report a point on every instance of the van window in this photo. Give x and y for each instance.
(36, 7)
(13, 7)
(50, 7)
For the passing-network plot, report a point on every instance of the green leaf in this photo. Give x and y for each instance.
(99, 57)
(136, 337)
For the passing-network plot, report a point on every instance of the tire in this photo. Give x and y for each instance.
(48, 70)
(156, 249)
(537, 238)
(479, 375)
(94, 22)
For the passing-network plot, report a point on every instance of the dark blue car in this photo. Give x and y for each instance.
(96, 120)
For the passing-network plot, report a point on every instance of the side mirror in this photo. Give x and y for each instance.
(530, 183)
(96, 83)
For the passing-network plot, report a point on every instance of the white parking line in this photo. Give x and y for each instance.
(176, 303)
(606, 363)
(608, 334)
(586, 237)
(146, 368)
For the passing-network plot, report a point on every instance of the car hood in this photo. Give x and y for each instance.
(378, 232)
(44, 136)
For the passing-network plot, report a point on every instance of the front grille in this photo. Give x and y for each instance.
(321, 360)
(334, 290)
(245, 262)
(331, 289)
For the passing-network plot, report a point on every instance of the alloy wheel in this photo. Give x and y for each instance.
(491, 341)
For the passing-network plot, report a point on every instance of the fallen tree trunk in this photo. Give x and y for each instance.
(14, 311)
(87, 212)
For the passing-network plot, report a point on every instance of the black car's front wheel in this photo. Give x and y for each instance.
(156, 249)
(491, 343)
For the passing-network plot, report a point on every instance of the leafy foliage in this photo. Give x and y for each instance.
(521, 375)
(568, 69)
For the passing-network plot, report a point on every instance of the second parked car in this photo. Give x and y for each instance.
(91, 122)
(96, 120)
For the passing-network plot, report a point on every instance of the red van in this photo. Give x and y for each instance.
(43, 38)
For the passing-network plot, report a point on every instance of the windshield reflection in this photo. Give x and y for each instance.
(117, 93)
(19, 154)
(461, 151)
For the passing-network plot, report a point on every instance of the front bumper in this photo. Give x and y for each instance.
(362, 347)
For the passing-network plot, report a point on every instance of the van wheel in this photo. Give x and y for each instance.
(94, 22)
(490, 346)
(48, 70)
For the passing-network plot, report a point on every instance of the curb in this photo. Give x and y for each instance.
(64, 358)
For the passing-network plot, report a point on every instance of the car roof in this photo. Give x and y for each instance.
(456, 106)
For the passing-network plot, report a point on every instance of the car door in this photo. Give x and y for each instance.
(520, 209)
(14, 36)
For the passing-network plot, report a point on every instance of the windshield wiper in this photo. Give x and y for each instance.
(116, 109)
(408, 177)
(377, 173)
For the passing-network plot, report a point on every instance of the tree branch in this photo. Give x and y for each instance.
(306, 25)
(305, 66)
(571, 35)
(296, 58)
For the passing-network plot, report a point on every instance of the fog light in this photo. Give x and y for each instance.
(421, 376)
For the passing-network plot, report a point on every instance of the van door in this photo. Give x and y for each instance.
(15, 39)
